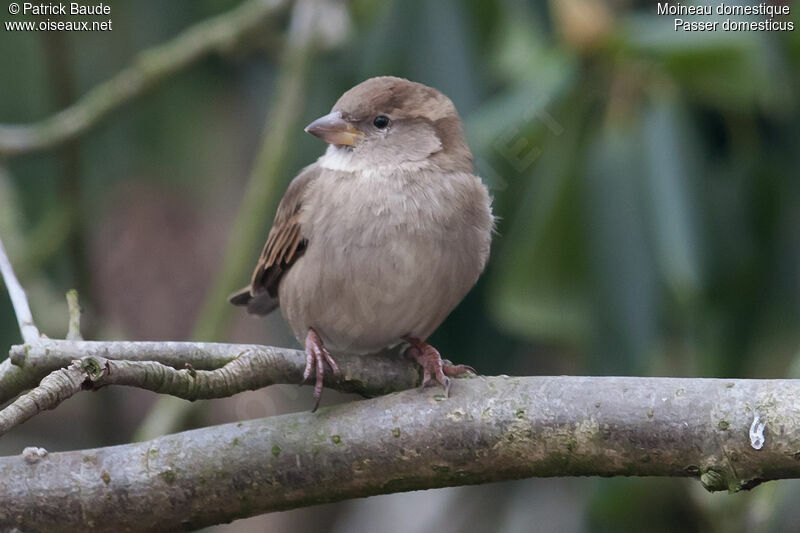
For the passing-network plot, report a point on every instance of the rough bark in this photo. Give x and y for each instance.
(217, 369)
(490, 429)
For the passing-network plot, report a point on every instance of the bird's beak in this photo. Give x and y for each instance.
(333, 129)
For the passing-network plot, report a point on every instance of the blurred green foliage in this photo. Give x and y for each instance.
(646, 183)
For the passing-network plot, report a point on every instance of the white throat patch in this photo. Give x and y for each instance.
(343, 160)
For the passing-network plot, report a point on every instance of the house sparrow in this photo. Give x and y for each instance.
(375, 243)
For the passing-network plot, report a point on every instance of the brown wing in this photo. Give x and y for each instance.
(285, 243)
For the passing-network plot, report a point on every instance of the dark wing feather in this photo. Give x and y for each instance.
(285, 243)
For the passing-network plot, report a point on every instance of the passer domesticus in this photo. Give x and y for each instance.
(376, 242)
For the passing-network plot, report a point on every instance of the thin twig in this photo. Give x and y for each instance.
(54, 389)
(74, 330)
(29, 364)
(252, 369)
(30, 334)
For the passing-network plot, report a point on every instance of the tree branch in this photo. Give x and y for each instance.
(27, 328)
(490, 429)
(152, 364)
(217, 34)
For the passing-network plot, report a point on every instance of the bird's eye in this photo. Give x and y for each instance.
(381, 121)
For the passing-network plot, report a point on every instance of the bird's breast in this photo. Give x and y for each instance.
(369, 209)
(387, 256)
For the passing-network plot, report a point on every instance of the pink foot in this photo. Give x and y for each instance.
(432, 365)
(316, 355)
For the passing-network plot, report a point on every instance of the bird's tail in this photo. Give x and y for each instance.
(260, 304)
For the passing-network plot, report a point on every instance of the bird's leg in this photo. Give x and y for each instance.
(432, 365)
(316, 355)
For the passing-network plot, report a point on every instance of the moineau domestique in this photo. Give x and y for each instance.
(57, 8)
(723, 9)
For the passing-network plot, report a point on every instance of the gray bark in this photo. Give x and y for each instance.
(490, 429)
(28, 364)
(57, 369)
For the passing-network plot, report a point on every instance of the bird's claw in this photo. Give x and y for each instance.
(433, 367)
(316, 356)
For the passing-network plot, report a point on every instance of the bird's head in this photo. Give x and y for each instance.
(388, 121)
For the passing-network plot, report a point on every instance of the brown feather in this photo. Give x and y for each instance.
(285, 241)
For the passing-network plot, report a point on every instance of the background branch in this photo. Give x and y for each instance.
(217, 34)
(265, 183)
(59, 60)
(268, 177)
(490, 429)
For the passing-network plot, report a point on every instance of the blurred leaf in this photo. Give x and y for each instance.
(424, 41)
(520, 44)
(444, 53)
(539, 277)
(621, 266)
(771, 68)
(670, 180)
(583, 24)
(524, 106)
(656, 34)
(717, 67)
(657, 504)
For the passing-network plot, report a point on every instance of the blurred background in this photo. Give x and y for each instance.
(646, 182)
